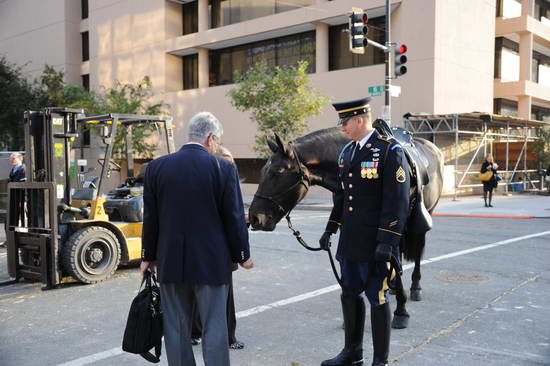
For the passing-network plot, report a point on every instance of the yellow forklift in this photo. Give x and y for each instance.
(61, 222)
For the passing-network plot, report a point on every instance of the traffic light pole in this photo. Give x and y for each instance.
(387, 51)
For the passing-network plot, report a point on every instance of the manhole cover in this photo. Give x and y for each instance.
(462, 277)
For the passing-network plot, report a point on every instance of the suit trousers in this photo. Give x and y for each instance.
(177, 311)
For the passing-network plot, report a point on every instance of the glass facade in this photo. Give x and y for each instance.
(190, 17)
(508, 8)
(283, 51)
(190, 71)
(84, 9)
(85, 46)
(339, 55)
(225, 12)
(507, 63)
(506, 107)
(542, 11)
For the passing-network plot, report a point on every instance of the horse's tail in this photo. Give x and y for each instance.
(412, 246)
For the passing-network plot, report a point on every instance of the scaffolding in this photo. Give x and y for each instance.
(484, 130)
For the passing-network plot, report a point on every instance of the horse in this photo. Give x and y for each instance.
(312, 160)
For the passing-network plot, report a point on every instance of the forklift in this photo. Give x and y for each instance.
(61, 223)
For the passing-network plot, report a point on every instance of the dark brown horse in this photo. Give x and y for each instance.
(312, 160)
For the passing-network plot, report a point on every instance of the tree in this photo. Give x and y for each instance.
(541, 146)
(122, 98)
(17, 95)
(278, 100)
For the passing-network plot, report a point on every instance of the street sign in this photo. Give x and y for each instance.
(395, 90)
(376, 91)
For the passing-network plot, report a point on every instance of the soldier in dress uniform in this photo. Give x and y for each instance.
(370, 209)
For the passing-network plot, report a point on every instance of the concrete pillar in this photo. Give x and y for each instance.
(321, 47)
(525, 56)
(524, 106)
(203, 15)
(528, 8)
(203, 67)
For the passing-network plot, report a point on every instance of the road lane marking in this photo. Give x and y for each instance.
(260, 309)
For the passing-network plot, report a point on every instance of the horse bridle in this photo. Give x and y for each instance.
(303, 179)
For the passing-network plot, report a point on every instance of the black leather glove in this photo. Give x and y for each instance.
(383, 253)
(324, 242)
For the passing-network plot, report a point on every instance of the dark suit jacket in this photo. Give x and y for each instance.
(18, 175)
(372, 204)
(193, 226)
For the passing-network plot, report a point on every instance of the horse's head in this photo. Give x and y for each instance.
(284, 182)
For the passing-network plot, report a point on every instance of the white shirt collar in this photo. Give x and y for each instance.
(364, 140)
(194, 143)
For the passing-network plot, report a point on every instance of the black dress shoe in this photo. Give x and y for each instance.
(196, 341)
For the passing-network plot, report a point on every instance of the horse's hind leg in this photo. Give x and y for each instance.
(400, 315)
(416, 290)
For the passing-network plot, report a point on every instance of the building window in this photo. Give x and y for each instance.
(505, 107)
(506, 59)
(542, 11)
(85, 46)
(190, 17)
(190, 72)
(340, 57)
(508, 8)
(86, 81)
(540, 113)
(84, 8)
(225, 12)
(283, 51)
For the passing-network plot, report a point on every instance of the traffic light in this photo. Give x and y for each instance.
(358, 30)
(400, 59)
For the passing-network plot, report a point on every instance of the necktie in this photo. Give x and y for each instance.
(353, 150)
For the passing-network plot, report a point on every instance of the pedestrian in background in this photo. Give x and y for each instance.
(17, 171)
(489, 185)
(547, 178)
(196, 329)
(17, 174)
(193, 230)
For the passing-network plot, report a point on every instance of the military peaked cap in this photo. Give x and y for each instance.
(346, 110)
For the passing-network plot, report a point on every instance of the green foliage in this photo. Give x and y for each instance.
(122, 98)
(541, 147)
(278, 100)
(17, 95)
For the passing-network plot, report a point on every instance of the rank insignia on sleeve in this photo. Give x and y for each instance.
(400, 175)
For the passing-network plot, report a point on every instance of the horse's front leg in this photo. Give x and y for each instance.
(400, 315)
(416, 290)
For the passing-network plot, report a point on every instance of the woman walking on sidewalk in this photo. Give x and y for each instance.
(491, 183)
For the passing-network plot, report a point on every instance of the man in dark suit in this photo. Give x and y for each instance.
(193, 230)
(17, 174)
(17, 171)
(370, 209)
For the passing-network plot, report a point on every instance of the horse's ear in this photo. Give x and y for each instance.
(272, 146)
(282, 146)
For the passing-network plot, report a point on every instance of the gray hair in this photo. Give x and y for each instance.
(202, 125)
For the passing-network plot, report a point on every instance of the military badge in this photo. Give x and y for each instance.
(363, 173)
(400, 175)
(375, 149)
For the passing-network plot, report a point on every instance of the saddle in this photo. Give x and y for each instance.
(420, 220)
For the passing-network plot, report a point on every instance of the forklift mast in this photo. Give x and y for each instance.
(48, 139)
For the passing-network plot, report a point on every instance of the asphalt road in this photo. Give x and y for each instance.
(483, 304)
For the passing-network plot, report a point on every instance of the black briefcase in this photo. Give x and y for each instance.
(144, 326)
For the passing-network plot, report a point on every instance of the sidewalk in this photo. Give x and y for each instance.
(515, 206)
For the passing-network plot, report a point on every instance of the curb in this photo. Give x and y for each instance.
(485, 216)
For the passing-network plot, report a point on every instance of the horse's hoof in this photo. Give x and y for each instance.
(416, 294)
(400, 321)
(392, 291)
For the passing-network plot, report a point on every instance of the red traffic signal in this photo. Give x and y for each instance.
(399, 60)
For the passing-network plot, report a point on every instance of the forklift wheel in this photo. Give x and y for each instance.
(91, 254)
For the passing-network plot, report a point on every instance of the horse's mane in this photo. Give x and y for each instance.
(321, 146)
